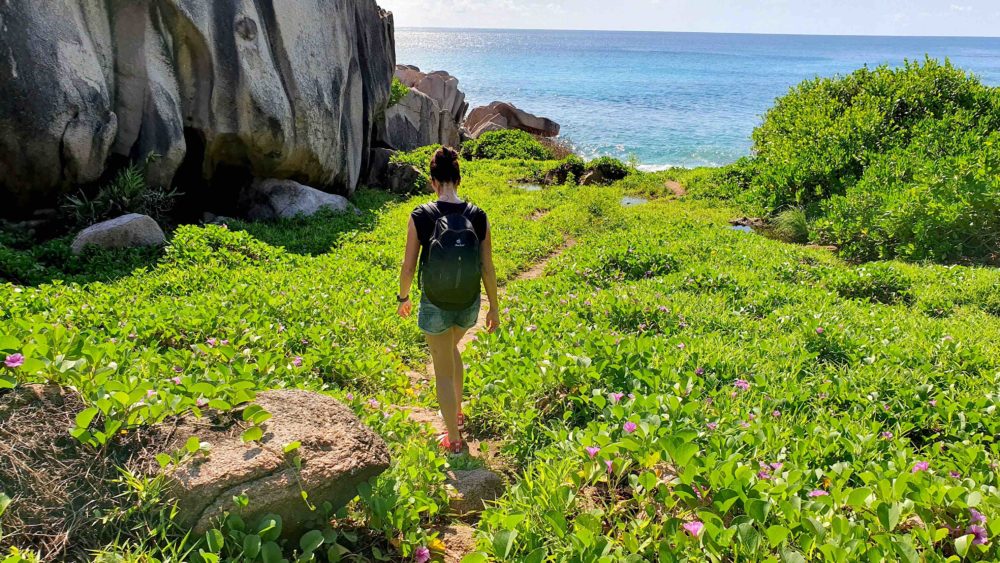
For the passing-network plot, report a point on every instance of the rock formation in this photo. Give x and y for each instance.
(127, 231)
(431, 113)
(337, 453)
(278, 89)
(267, 200)
(501, 115)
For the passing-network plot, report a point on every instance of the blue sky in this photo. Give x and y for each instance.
(852, 17)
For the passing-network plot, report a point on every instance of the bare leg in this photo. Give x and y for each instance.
(459, 377)
(443, 354)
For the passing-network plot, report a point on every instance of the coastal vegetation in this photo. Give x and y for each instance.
(667, 388)
(886, 163)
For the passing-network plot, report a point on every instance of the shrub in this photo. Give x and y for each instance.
(568, 171)
(397, 92)
(504, 144)
(819, 139)
(610, 168)
(127, 193)
(791, 225)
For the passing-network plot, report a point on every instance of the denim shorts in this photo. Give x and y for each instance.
(435, 321)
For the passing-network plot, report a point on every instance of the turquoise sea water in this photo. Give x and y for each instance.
(683, 99)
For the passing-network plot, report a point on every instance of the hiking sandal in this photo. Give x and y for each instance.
(455, 447)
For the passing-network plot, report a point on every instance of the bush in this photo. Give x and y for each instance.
(568, 171)
(127, 193)
(610, 168)
(890, 163)
(397, 92)
(508, 143)
(820, 139)
(791, 225)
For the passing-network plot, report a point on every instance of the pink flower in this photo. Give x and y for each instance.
(681, 346)
(699, 371)
(615, 397)
(224, 343)
(178, 369)
(777, 466)
(14, 361)
(980, 533)
(932, 402)
(818, 493)
(201, 402)
(151, 393)
(954, 474)
(887, 435)
(744, 424)
(742, 384)
(921, 466)
(532, 328)
(422, 555)
(211, 342)
(976, 517)
(712, 425)
(592, 451)
(763, 475)
(297, 362)
(611, 466)
(820, 330)
(776, 414)
(350, 396)
(694, 528)
(373, 403)
(175, 380)
(629, 427)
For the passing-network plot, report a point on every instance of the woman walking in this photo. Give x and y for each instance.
(451, 241)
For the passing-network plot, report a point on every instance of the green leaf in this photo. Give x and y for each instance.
(251, 546)
(311, 541)
(536, 556)
(962, 545)
(758, 510)
(776, 535)
(270, 552)
(476, 557)
(193, 444)
(214, 540)
(503, 543)
(85, 417)
(164, 460)
(859, 497)
(253, 434)
(4, 503)
(292, 446)
(7, 382)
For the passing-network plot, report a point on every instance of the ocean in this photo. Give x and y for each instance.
(667, 99)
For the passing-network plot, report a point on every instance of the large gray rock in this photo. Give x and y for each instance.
(127, 231)
(280, 89)
(404, 179)
(502, 115)
(471, 490)
(439, 86)
(430, 114)
(266, 200)
(378, 165)
(337, 454)
(417, 121)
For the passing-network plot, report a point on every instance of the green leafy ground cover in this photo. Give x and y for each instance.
(671, 390)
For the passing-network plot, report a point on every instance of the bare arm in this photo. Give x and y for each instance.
(490, 281)
(409, 267)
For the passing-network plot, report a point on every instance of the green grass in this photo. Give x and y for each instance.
(662, 301)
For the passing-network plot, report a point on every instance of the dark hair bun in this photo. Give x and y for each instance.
(444, 166)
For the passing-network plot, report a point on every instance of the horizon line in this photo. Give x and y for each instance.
(861, 35)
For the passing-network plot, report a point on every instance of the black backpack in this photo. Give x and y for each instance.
(451, 272)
